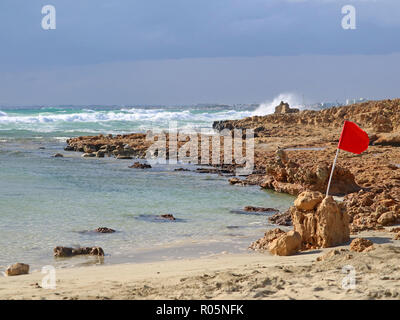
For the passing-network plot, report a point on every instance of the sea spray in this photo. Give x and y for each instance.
(269, 106)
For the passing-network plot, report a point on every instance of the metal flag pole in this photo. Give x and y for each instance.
(333, 168)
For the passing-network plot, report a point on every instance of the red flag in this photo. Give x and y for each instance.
(353, 138)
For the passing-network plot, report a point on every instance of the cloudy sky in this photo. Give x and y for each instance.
(192, 51)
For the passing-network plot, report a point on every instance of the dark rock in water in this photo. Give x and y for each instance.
(62, 252)
(281, 218)
(100, 154)
(138, 165)
(58, 155)
(121, 157)
(167, 216)
(104, 230)
(255, 211)
(42, 148)
(93, 251)
(17, 269)
(181, 169)
(259, 209)
(158, 218)
(234, 181)
(69, 252)
(69, 148)
(214, 170)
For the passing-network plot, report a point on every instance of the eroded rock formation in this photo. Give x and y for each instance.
(283, 108)
(361, 245)
(320, 221)
(285, 175)
(287, 244)
(269, 236)
(372, 210)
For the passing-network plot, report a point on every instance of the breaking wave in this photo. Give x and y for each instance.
(268, 107)
(124, 115)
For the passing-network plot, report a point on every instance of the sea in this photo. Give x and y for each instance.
(47, 202)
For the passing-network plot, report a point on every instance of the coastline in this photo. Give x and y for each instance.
(252, 275)
(370, 185)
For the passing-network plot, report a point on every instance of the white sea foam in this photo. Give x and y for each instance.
(268, 107)
(119, 115)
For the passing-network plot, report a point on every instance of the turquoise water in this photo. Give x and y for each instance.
(47, 201)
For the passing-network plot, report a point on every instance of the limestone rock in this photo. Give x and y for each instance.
(285, 175)
(388, 139)
(281, 156)
(308, 200)
(326, 225)
(361, 245)
(382, 124)
(371, 210)
(286, 244)
(269, 236)
(17, 269)
(284, 108)
(387, 218)
(281, 218)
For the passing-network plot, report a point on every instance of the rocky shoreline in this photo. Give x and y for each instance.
(294, 151)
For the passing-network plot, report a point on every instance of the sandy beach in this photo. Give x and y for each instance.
(234, 276)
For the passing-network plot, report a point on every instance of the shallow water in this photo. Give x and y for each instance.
(47, 201)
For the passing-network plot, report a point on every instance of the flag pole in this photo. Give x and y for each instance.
(333, 168)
